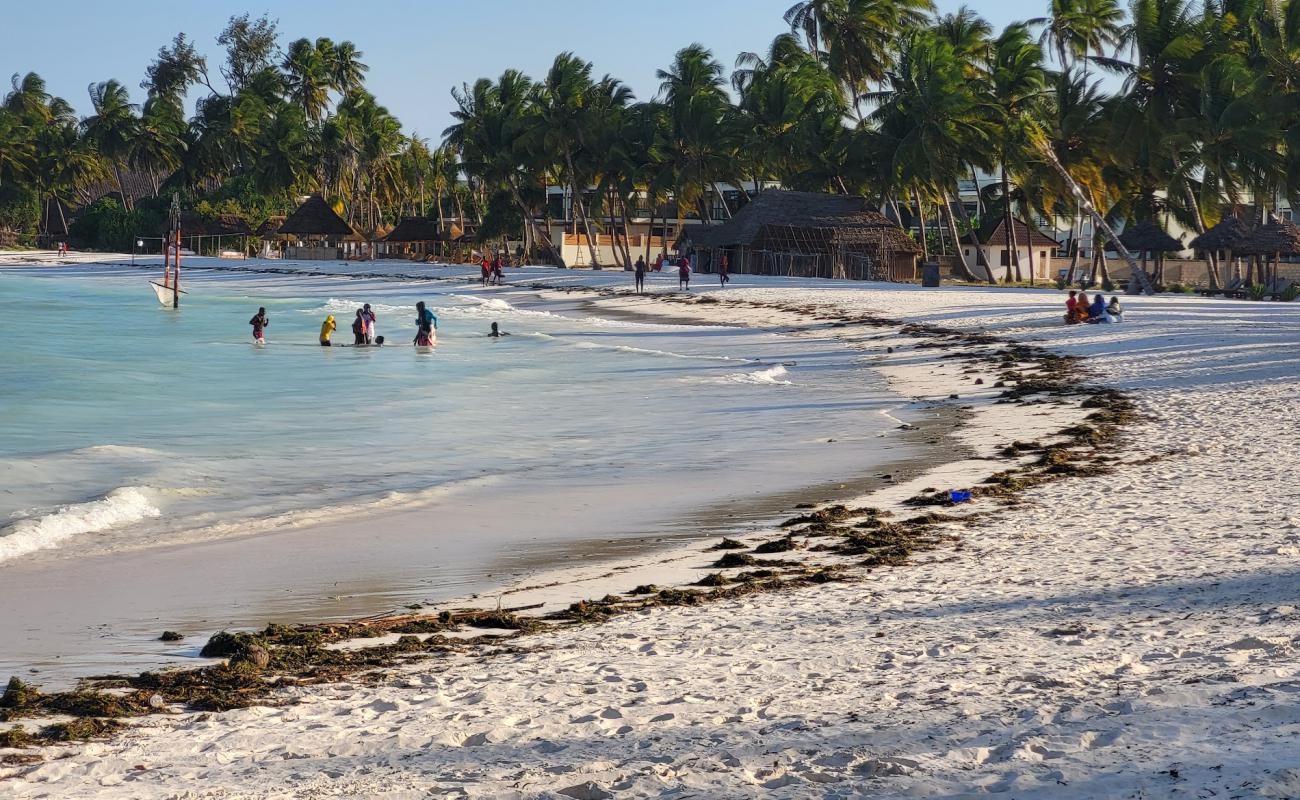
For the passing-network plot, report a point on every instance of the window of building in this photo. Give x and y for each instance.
(1042, 254)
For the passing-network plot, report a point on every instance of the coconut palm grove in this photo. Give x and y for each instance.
(1164, 110)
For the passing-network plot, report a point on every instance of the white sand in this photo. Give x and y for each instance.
(1132, 635)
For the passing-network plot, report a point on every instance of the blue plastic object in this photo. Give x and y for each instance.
(959, 495)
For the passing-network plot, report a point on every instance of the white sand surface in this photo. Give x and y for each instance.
(1131, 635)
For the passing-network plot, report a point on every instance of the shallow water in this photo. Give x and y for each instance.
(129, 426)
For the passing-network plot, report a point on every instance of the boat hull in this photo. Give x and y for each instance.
(164, 293)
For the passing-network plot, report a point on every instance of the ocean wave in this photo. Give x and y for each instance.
(644, 351)
(343, 306)
(119, 507)
(763, 377)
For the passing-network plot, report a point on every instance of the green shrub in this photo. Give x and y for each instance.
(1290, 293)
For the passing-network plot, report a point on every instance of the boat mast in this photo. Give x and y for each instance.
(175, 214)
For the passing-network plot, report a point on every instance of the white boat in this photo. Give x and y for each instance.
(165, 293)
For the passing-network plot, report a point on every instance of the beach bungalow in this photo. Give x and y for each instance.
(986, 250)
(416, 238)
(315, 233)
(807, 235)
(1151, 241)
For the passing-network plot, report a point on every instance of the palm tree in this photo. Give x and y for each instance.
(160, 140)
(308, 69)
(1015, 81)
(113, 128)
(562, 101)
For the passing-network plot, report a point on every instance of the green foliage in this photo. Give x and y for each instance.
(1257, 292)
(108, 226)
(1290, 293)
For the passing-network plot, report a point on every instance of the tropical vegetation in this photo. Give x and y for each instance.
(1183, 110)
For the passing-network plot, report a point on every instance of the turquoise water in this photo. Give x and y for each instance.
(127, 424)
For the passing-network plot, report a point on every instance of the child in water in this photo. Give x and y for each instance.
(259, 323)
(426, 326)
(496, 332)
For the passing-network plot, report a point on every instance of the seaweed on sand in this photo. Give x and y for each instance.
(835, 513)
(728, 544)
(783, 545)
(735, 560)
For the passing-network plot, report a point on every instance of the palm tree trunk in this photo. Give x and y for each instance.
(539, 234)
(1013, 257)
(1098, 221)
(581, 206)
(920, 218)
(121, 187)
(1029, 247)
(951, 222)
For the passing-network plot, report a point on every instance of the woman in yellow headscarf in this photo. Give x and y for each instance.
(326, 328)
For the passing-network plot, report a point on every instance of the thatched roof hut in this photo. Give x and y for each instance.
(1278, 238)
(415, 229)
(808, 234)
(315, 219)
(271, 227)
(794, 211)
(1148, 237)
(1226, 235)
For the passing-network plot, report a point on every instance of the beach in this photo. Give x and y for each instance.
(1123, 634)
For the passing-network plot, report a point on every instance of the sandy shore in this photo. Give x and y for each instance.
(1132, 634)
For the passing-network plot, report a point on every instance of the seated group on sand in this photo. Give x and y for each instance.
(1078, 309)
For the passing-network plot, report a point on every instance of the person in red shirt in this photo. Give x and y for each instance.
(486, 268)
(684, 274)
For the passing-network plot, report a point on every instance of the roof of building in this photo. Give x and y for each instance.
(316, 218)
(221, 225)
(1149, 237)
(1279, 237)
(993, 231)
(887, 237)
(1230, 232)
(271, 227)
(784, 212)
(415, 229)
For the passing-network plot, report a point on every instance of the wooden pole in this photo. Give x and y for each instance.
(176, 284)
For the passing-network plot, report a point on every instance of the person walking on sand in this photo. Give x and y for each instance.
(327, 328)
(498, 277)
(659, 263)
(684, 274)
(359, 328)
(260, 324)
(724, 270)
(426, 326)
(485, 271)
(369, 317)
(640, 275)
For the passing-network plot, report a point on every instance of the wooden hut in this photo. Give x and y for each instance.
(1268, 243)
(1219, 244)
(416, 238)
(319, 234)
(807, 235)
(986, 249)
(1151, 240)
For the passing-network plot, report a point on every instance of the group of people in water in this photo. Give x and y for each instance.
(1078, 309)
(363, 328)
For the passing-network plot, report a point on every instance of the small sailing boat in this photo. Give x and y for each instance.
(169, 291)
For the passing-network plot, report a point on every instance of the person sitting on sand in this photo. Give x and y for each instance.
(1070, 305)
(426, 326)
(260, 324)
(1097, 311)
(1114, 313)
(326, 329)
(1081, 308)
(496, 332)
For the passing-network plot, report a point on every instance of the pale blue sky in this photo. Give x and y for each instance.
(417, 49)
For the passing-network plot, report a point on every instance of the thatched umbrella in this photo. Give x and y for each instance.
(1230, 232)
(1151, 239)
(1272, 241)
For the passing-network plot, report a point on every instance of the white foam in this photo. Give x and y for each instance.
(644, 351)
(765, 377)
(119, 507)
(337, 306)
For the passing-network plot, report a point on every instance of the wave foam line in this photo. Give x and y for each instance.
(119, 507)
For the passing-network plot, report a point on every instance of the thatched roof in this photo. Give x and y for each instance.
(993, 231)
(315, 219)
(415, 229)
(814, 216)
(1230, 232)
(223, 225)
(1275, 238)
(1149, 237)
(888, 237)
(271, 227)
